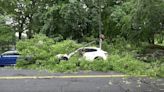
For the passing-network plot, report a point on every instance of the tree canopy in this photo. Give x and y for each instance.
(135, 20)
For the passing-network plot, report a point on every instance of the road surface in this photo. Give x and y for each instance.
(75, 84)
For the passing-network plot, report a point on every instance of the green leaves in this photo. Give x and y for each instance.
(39, 47)
(72, 1)
(147, 19)
(65, 47)
(136, 20)
(6, 35)
(43, 49)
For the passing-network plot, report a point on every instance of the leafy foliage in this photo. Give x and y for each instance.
(127, 25)
(39, 48)
(135, 20)
(66, 46)
(6, 35)
(43, 49)
(121, 58)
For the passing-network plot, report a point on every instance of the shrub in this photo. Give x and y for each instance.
(160, 73)
(66, 46)
(43, 50)
(39, 48)
(127, 64)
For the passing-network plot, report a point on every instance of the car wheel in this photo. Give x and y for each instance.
(99, 58)
(63, 58)
(1, 65)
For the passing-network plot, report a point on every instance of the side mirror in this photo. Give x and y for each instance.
(1, 55)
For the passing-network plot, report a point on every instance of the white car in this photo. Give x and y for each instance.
(88, 53)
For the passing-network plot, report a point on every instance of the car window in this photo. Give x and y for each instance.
(90, 50)
(10, 54)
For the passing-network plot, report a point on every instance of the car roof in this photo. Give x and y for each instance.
(90, 48)
(8, 52)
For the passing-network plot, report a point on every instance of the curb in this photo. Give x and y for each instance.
(65, 77)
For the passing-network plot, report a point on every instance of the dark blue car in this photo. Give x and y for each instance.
(9, 58)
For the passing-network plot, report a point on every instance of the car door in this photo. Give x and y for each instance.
(8, 59)
(90, 53)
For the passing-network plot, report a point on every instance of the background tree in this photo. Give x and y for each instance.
(6, 34)
(135, 20)
(148, 19)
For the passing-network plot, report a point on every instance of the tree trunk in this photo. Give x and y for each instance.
(20, 35)
(151, 40)
(29, 34)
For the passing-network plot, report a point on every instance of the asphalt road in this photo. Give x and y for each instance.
(129, 84)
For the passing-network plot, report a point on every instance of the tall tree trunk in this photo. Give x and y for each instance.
(29, 33)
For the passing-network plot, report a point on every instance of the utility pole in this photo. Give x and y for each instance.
(99, 22)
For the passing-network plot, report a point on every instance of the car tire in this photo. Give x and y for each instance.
(99, 58)
(1, 65)
(63, 58)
